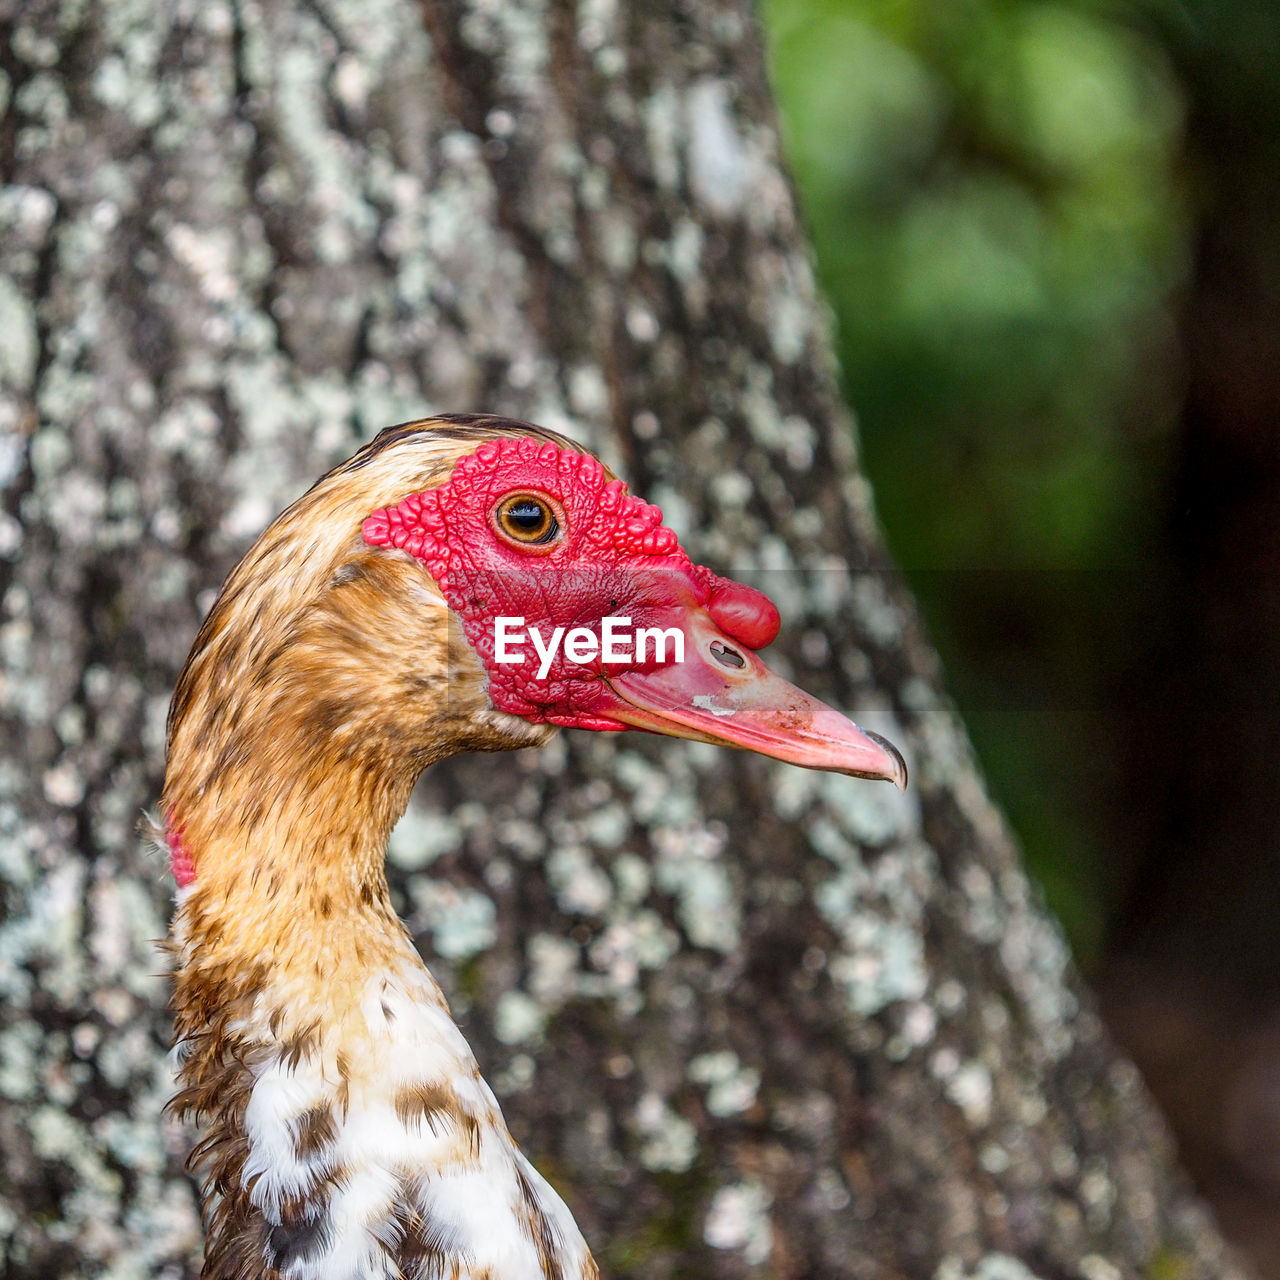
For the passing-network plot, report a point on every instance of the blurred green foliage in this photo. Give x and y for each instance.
(997, 196)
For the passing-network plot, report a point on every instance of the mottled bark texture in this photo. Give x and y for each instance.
(752, 1021)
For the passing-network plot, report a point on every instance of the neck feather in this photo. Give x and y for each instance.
(348, 1130)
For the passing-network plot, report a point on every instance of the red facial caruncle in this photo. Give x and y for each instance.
(609, 555)
(181, 863)
(526, 530)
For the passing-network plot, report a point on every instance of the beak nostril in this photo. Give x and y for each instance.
(726, 656)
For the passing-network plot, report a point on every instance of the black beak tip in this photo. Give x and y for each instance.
(899, 778)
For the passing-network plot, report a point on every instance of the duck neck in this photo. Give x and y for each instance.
(290, 909)
(297, 730)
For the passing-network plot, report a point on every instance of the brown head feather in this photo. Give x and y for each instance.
(326, 665)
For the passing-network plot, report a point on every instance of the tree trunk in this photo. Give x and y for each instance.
(751, 1021)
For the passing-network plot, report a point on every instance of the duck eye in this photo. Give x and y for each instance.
(527, 519)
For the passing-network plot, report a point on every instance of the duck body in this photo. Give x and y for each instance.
(351, 1133)
(347, 1130)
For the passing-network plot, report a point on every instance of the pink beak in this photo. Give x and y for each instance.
(724, 694)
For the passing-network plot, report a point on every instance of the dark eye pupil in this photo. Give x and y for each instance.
(528, 520)
(526, 515)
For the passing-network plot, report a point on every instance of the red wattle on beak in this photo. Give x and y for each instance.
(744, 613)
(724, 694)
